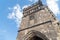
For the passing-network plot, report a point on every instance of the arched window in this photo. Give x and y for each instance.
(31, 17)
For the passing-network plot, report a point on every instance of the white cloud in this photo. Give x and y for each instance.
(25, 6)
(30, 0)
(53, 5)
(36, 0)
(11, 15)
(16, 14)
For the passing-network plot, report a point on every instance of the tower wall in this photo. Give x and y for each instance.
(40, 18)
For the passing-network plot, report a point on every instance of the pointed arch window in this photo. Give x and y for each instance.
(31, 17)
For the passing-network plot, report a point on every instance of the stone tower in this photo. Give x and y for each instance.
(38, 23)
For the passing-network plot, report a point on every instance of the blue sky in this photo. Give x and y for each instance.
(11, 13)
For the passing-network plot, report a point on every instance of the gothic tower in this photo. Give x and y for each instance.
(38, 23)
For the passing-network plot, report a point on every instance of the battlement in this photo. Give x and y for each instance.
(30, 9)
(25, 9)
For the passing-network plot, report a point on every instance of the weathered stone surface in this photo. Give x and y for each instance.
(42, 21)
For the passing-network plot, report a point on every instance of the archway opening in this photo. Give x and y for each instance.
(36, 38)
(35, 35)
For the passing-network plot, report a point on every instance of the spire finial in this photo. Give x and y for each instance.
(40, 2)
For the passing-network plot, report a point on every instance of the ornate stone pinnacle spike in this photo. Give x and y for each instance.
(40, 2)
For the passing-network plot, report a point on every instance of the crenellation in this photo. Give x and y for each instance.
(33, 9)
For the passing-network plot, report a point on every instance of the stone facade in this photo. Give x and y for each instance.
(39, 21)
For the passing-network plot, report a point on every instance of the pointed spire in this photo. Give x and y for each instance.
(40, 2)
